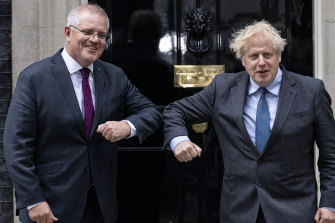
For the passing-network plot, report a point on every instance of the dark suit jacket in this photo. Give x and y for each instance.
(47, 152)
(282, 178)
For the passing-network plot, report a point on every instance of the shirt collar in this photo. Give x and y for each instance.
(71, 64)
(273, 88)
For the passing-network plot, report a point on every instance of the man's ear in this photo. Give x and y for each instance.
(67, 33)
(242, 60)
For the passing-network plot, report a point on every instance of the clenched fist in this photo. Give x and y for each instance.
(186, 151)
(114, 130)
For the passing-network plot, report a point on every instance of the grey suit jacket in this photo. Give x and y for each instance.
(282, 178)
(47, 152)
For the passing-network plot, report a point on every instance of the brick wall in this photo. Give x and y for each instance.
(6, 190)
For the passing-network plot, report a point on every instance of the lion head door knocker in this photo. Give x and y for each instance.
(198, 27)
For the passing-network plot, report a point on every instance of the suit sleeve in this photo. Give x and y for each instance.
(141, 112)
(325, 139)
(19, 142)
(194, 109)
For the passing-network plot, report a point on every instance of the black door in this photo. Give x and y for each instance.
(149, 37)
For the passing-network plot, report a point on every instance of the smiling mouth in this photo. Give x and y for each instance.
(91, 48)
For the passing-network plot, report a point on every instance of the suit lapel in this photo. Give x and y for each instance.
(238, 95)
(286, 98)
(63, 78)
(99, 89)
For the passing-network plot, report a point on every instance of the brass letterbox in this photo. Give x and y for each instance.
(195, 75)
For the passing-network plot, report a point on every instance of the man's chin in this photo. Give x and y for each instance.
(262, 82)
(90, 59)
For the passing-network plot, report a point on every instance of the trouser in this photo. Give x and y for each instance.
(92, 211)
(260, 216)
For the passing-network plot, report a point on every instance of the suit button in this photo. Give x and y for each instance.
(87, 170)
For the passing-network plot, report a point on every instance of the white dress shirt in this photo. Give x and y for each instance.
(73, 68)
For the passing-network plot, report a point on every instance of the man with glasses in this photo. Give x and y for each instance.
(67, 114)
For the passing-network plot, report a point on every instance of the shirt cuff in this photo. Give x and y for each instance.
(133, 131)
(31, 206)
(332, 209)
(176, 140)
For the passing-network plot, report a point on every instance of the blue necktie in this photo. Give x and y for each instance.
(262, 121)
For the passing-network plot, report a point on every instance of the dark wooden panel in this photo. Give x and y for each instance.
(6, 190)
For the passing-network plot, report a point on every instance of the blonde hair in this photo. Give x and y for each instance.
(239, 39)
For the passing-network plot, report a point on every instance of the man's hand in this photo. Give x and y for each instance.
(186, 151)
(42, 213)
(114, 131)
(324, 215)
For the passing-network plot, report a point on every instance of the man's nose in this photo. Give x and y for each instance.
(94, 37)
(261, 61)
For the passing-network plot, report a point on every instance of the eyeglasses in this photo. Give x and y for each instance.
(87, 33)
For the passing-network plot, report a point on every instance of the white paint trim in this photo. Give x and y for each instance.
(318, 40)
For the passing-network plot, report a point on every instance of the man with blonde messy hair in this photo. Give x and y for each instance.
(239, 40)
(267, 121)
